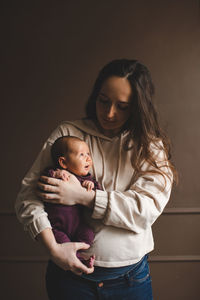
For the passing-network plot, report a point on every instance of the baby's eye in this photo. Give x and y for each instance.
(81, 154)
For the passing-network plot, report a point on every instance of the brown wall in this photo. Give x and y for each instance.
(51, 56)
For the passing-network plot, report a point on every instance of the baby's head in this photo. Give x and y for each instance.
(72, 154)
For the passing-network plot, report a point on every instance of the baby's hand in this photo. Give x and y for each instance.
(89, 185)
(61, 174)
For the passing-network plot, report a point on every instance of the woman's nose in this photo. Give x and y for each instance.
(111, 112)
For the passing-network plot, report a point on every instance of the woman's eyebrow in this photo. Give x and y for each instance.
(102, 94)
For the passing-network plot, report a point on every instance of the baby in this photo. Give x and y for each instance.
(71, 155)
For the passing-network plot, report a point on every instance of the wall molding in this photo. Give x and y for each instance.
(152, 259)
(23, 259)
(167, 211)
(181, 210)
(174, 258)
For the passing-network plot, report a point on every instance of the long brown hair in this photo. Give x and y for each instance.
(143, 125)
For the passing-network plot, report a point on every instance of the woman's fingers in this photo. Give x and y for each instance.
(47, 187)
(49, 197)
(81, 246)
(77, 272)
(50, 180)
(80, 268)
(49, 184)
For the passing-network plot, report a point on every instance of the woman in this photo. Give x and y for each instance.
(132, 163)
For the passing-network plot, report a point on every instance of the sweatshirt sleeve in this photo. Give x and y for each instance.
(29, 208)
(138, 207)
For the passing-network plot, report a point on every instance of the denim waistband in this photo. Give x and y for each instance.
(102, 274)
(126, 277)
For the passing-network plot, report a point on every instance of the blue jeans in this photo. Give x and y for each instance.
(133, 285)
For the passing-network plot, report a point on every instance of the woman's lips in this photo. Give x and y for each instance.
(109, 121)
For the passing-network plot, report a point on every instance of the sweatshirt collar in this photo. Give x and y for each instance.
(89, 127)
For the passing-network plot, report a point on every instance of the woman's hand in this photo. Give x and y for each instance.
(58, 191)
(64, 255)
(69, 192)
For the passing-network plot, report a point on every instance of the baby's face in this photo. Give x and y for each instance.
(78, 159)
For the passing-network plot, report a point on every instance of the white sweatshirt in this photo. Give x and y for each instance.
(123, 212)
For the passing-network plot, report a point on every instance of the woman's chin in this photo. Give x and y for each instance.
(110, 132)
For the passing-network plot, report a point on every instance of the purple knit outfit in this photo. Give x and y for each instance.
(67, 221)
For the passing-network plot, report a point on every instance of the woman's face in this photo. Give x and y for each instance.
(113, 105)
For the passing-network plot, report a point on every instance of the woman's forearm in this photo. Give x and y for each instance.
(47, 239)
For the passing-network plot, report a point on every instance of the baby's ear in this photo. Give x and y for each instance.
(62, 162)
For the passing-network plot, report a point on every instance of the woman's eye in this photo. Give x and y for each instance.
(123, 107)
(103, 101)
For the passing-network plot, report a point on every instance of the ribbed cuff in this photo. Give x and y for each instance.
(100, 206)
(37, 226)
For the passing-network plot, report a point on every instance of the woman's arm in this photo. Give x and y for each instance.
(138, 207)
(134, 209)
(30, 212)
(29, 208)
(64, 255)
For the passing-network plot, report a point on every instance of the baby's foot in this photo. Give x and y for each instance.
(89, 262)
